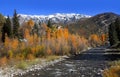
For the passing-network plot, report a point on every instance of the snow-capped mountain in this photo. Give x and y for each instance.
(55, 18)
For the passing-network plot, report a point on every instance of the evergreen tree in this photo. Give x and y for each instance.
(117, 24)
(35, 29)
(3, 32)
(8, 27)
(15, 24)
(49, 24)
(113, 38)
(2, 20)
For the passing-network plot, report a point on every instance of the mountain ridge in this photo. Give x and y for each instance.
(55, 18)
(97, 24)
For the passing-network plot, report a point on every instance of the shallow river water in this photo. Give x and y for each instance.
(87, 64)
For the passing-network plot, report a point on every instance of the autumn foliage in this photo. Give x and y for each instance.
(97, 40)
(52, 41)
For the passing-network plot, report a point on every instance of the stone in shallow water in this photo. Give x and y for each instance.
(98, 73)
(33, 74)
(83, 76)
(38, 74)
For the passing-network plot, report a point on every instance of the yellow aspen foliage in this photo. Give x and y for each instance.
(66, 33)
(30, 23)
(10, 54)
(28, 37)
(95, 39)
(30, 56)
(59, 33)
(49, 42)
(26, 33)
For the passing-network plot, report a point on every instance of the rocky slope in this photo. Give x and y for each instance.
(95, 24)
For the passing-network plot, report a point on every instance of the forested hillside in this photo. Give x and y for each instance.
(31, 40)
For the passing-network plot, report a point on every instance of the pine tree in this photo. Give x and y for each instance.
(117, 24)
(3, 33)
(8, 27)
(36, 28)
(2, 20)
(113, 38)
(15, 24)
(49, 24)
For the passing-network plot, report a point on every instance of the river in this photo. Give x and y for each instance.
(87, 64)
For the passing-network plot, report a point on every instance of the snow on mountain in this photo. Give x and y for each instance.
(56, 18)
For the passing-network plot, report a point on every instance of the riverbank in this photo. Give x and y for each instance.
(80, 65)
(22, 67)
(26, 66)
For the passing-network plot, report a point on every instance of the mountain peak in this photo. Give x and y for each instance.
(56, 18)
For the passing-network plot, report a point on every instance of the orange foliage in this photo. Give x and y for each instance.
(33, 50)
(30, 23)
(103, 38)
(11, 43)
(26, 33)
(20, 57)
(95, 40)
(49, 52)
(3, 61)
(112, 72)
(48, 35)
(14, 44)
(30, 56)
(53, 41)
(7, 43)
(66, 33)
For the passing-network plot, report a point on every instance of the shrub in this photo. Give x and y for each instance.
(3, 61)
(40, 51)
(30, 56)
(22, 65)
(10, 54)
(112, 72)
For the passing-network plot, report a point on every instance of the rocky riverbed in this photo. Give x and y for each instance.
(12, 71)
(87, 64)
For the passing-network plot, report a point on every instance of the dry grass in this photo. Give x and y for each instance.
(3, 61)
(22, 65)
(52, 58)
(113, 71)
(25, 64)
